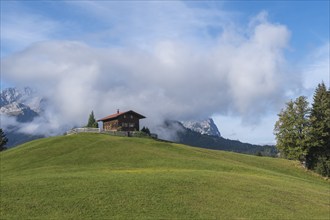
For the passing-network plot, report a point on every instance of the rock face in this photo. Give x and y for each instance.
(203, 127)
(23, 113)
(15, 102)
(22, 106)
(10, 95)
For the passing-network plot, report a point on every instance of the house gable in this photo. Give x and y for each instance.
(123, 121)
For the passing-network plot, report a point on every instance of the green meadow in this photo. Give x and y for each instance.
(97, 176)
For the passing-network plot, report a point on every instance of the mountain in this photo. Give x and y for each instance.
(15, 102)
(10, 95)
(23, 105)
(23, 113)
(25, 96)
(190, 137)
(207, 127)
(98, 176)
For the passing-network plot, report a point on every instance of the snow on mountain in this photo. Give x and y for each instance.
(17, 108)
(23, 104)
(15, 101)
(10, 95)
(203, 127)
(13, 109)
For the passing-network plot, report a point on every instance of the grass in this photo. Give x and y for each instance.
(95, 176)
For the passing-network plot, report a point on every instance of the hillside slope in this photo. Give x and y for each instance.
(99, 176)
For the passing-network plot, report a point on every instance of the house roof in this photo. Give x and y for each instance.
(116, 115)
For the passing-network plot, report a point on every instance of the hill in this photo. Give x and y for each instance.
(99, 176)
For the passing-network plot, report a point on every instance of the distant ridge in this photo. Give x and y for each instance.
(190, 137)
(206, 126)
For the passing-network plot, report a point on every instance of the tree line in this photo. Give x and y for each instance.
(303, 132)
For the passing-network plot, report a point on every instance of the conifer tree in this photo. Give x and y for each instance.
(92, 123)
(304, 133)
(319, 133)
(145, 130)
(292, 128)
(3, 140)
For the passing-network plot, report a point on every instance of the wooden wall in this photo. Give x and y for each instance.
(126, 122)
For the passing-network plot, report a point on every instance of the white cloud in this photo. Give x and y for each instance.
(170, 79)
(163, 59)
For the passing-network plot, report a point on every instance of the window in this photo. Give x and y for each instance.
(131, 116)
(131, 125)
(124, 116)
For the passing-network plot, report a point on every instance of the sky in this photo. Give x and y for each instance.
(238, 62)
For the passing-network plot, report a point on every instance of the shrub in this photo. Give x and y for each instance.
(323, 166)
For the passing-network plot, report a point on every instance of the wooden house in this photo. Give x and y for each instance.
(122, 121)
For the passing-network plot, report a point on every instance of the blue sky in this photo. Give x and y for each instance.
(308, 21)
(237, 61)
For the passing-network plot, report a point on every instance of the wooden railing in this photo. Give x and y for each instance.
(84, 130)
(114, 133)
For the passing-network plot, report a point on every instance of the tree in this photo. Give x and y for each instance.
(92, 123)
(319, 134)
(291, 130)
(145, 130)
(3, 140)
(304, 134)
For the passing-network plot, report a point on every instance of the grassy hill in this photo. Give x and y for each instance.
(99, 176)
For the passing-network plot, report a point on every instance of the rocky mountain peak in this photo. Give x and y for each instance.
(11, 99)
(10, 95)
(206, 126)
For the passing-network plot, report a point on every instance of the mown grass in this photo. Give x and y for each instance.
(95, 176)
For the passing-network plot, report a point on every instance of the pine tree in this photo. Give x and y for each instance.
(291, 129)
(319, 133)
(283, 129)
(3, 140)
(92, 123)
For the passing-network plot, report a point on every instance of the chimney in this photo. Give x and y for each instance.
(117, 111)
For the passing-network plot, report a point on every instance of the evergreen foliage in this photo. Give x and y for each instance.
(92, 123)
(319, 134)
(291, 130)
(146, 130)
(3, 140)
(304, 134)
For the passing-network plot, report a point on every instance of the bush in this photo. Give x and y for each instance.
(146, 130)
(323, 166)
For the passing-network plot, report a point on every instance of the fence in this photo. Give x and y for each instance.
(117, 133)
(113, 133)
(84, 130)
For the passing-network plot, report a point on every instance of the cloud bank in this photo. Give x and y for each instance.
(156, 61)
(172, 79)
